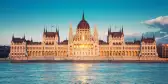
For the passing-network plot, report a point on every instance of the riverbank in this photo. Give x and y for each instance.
(88, 61)
(4, 60)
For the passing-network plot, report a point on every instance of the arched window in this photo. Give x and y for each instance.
(116, 43)
(153, 47)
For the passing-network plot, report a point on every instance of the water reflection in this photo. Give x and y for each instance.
(82, 66)
(82, 73)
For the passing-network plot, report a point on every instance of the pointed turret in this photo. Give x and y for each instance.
(56, 29)
(13, 36)
(95, 33)
(142, 37)
(109, 38)
(83, 16)
(70, 34)
(58, 35)
(110, 28)
(31, 39)
(44, 30)
(122, 29)
(24, 36)
(108, 31)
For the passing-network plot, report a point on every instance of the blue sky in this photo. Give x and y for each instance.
(29, 17)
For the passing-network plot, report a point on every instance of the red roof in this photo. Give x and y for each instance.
(148, 40)
(137, 42)
(64, 42)
(18, 40)
(33, 43)
(116, 34)
(28, 41)
(103, 42)
(83, 25)
(51, 34)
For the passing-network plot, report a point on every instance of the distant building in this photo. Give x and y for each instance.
(159, 50)
(4, 51)
(83, 44)
(164, 51)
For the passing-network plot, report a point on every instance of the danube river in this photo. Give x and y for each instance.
(83, 73)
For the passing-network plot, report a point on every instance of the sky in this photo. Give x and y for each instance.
(29, 17)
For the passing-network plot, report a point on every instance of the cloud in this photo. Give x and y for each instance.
(133, 34)
(159, 22)
(162, 39)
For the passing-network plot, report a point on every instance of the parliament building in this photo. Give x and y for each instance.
(83, 45)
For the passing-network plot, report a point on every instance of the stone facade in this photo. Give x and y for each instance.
(83, 45)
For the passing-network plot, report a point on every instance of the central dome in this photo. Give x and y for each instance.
(83, 24)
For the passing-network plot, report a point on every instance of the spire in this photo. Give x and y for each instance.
(31, 39)
(24, 36)
(83, 16)
(70, 34)
(56, 29)
(58, 35)
(44, 30)
(110, 28)
(122, 29)
(13, 37)
(95, 33)
(142, 37)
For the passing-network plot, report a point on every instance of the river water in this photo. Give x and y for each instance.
(83, 73)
